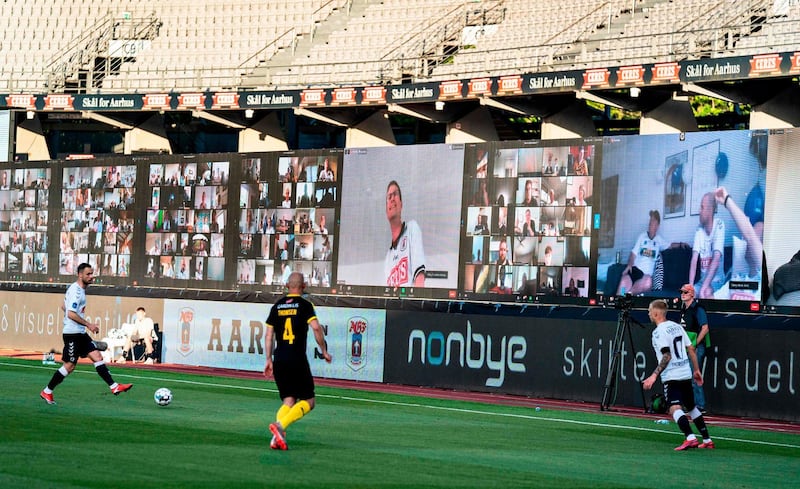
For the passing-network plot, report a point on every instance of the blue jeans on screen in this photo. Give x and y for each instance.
(699, 395)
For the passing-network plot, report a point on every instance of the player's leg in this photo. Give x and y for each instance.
(680, 392)
(697, 418)
(303, 384)
(102, 370)
(69, 357)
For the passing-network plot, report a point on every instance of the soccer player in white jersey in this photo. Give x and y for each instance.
(405, 260)
(677, 361)
(77, 342)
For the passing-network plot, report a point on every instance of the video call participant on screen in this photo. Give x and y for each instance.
(572, 290)
(502, 263)
(750, 225)
(481, 223)
(405, 260)
(708, 249)
(581, 167)
(529, 226)
(637, 277)
(481, 196)
(528, 198)
(326, 174)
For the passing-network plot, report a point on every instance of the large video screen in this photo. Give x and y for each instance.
(287, 222)
(679, 209)
(527, 210)
(781, 243)
(400, 221)
(186, 221)
(97, 220)
(24, 199)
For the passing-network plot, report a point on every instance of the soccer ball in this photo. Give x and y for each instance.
(163, 396)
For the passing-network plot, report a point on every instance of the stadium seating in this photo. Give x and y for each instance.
(218, 44)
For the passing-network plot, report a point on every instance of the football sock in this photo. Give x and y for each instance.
(683, 422)
(102, 370)
(58, 377)
(282, 411)
(296, 412)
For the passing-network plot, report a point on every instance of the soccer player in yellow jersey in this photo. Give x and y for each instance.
(287, 329)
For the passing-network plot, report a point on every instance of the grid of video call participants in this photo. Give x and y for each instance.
(528, 221)
(97, 220)
(287, 219)
(24, 197)
(186, 218)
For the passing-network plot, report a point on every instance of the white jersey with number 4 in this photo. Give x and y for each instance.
(670, 334)
(406, 257)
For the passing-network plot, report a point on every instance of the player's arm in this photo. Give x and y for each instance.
(666, 356)
(319, 336)
(78, 319)
(268, 342)
(697, 374)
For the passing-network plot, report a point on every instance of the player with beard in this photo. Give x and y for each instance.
(77, 343)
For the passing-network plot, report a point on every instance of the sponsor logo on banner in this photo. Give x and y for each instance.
(106, 102)
(157, 101)
(471, 350)
(191, 101)
(665, 72)
(344, 96)
(58, 102)
(21, 100)
(312, 97)
(371, 95)
(269, 99)
(765, 64)
(551, 82)
(225, 99)
(357, 342)
(185, 326)
(509, 84)
(596, 78)
(450, 89)
(415, 93)
(480, 86)
(714, 69)
(630, 75)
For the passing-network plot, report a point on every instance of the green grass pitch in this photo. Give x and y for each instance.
(214, 435)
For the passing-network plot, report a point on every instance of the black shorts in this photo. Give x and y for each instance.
(293, 378)
(635, 274)
(680, 393)
(76, 345)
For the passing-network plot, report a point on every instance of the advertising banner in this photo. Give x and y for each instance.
(747, 373)
(34, 320)
(214, 334)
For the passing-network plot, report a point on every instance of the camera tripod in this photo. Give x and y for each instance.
(624, 321)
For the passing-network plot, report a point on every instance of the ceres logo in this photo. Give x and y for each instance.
(472, 350)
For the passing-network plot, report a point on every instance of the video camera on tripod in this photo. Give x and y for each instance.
(624, 302)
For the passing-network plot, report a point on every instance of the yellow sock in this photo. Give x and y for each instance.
(282, 411)
(296, 412)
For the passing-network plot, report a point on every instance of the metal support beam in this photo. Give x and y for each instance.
(315, 115)
(201, 114)
(106, 120)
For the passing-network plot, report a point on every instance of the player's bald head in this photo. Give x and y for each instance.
(295, 281)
